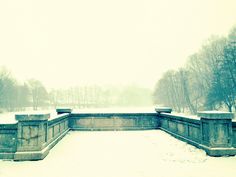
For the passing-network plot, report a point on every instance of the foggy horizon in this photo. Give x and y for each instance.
(106, 43)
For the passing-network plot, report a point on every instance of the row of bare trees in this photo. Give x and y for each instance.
(208, 81)
(16, 97)
(32, 94)
(95, 96)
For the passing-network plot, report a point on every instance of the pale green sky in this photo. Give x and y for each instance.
(108, 42)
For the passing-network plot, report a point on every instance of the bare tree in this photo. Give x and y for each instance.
(38, 92)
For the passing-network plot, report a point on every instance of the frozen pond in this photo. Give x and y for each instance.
(122, 154)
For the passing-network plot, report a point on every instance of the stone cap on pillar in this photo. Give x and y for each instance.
(32, 117)
(163, 110)
(63, 110)
(215, 115)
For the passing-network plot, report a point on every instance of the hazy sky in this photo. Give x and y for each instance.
(106, 41)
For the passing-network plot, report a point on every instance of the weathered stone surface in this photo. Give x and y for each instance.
(50, 133)
(164, 123)
(84, 122)
(104, 122)
(56, 129)
(181, 128)
(172, 126)
(194, 132)
(129, 122)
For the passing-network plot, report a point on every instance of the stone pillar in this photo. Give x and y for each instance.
(216, 129)
(31, 136)
(63, 110)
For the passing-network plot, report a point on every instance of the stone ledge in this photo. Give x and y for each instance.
(31, 155)
(98, 115)
(58, 118)
(32, 117)
(218, 152)
(194, 120)
(215, 115)
(7, 155)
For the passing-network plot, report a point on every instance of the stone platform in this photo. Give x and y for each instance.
(148, 153)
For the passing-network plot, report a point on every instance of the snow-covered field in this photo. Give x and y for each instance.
(151, 153)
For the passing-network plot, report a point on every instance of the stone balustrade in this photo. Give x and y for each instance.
(113, 121)
(212, 131)
(32, 137)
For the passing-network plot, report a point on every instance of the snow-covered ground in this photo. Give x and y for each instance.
(151, 153)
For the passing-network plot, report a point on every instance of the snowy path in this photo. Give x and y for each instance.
(122, 154)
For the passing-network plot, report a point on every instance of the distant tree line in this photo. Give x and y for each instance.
(208, 81)
(95, 96)
(32, 94)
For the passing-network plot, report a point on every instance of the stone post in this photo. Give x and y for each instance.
(163, 110)
(31, 136)
(216, 129)
(63, 110)
(162, 122)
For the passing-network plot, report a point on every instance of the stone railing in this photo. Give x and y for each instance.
(212, 131)
(32, 137)
(113, 121)
(182, 126)
(8, 140)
